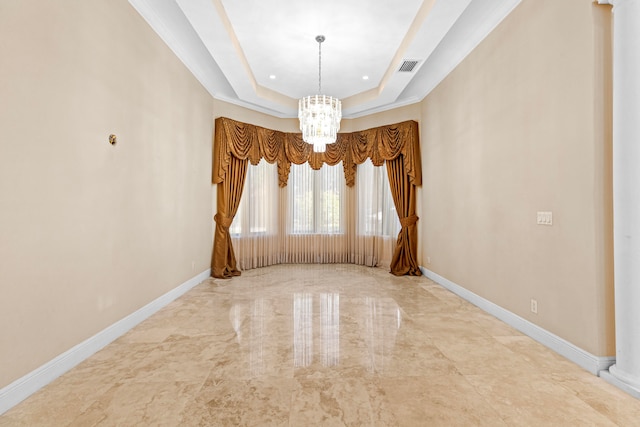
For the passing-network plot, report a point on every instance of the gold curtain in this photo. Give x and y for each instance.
(236, 143)
(223, 262)
(404, 198)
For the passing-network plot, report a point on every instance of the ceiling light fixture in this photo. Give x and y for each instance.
(319, 114)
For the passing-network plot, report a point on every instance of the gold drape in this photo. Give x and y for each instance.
(223, 262)
(404, 198)
(236, 143)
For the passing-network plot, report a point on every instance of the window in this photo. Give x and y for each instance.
(258, 210)
(376, 212)
(315, 218)
(316, 200)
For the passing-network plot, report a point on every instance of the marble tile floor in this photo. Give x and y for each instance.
(325, 345)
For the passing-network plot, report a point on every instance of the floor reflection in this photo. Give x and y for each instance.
(383, 320)
(329, 329)
(302, 330)
(307, 329)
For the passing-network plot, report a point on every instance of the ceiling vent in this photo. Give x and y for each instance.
(408, 65)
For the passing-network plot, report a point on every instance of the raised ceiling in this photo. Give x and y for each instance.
(262, 54)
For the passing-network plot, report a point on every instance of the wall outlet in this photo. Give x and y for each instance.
(534, 306)
(193, 265)
(428, 260)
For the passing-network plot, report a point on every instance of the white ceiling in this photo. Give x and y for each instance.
(233, 47)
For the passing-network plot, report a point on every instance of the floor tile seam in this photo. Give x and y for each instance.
(139, 375)
(439, 335)
(463, 367)
(578, 395)
(441, 346)
(489, 402)
(371, 378)
(292, 401)
(549, 380)
(153, 381)
(571, 391)
(191, 397)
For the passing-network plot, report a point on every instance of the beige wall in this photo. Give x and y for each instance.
(397, 115)
(523, 125)
(92, 232)
(241, 114)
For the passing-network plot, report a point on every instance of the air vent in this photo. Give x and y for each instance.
(408, 66)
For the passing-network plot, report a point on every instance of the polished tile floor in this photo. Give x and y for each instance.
(324, 345)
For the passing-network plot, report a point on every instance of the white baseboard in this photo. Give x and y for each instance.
(610, 377)
(580, 357)
(25, 386)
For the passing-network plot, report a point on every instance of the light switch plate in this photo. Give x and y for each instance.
(545, 218)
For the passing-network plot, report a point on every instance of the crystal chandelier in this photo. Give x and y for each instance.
(319, 114)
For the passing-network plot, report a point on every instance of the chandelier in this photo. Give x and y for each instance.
(319, 114)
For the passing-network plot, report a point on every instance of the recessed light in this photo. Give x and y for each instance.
(272, 76)
(365, 77)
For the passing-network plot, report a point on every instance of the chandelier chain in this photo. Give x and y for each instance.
(319, 66)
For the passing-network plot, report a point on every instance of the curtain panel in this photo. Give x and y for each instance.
(316, 218)
(237, 143)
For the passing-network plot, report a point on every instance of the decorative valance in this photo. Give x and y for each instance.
(245, 141)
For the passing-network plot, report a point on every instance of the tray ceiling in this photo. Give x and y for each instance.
(262, 54)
